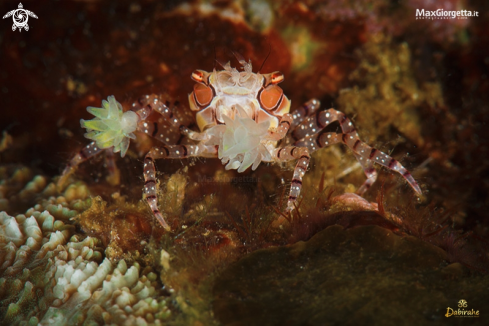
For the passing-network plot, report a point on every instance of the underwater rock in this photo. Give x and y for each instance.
(122, 227)
(361, 276)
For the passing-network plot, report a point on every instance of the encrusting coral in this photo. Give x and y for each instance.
(52, 275)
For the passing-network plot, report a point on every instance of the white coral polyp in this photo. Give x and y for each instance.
(240, 141)
(111, 127)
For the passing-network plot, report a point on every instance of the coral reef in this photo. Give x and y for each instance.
(50, 275)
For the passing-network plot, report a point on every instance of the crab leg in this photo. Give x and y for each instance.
(307, 109)
(367, 153)
(309, 130)
(84, 154)
(166, 151)
(370, 173)
(146, 104)
(159, 130)
(114, 176)
(282, 129)
(319, 140)
(315, 142)
(293, 153)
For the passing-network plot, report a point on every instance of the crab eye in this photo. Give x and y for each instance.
(276, 77)
(203, 94)
(198, 76)
(272, 79)
(270, 97)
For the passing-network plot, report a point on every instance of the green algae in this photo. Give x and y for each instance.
(302, 46)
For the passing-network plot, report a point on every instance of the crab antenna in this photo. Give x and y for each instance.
(215, 57)
(240, 58)
(221, 63)
(269, 51)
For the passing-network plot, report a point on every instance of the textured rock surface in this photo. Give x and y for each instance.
(361, 276)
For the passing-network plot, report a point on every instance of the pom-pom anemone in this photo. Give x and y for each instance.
(240, 141)
(111, 127)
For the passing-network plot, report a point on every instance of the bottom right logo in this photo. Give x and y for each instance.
(460, 312)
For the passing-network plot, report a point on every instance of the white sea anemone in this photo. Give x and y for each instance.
(240, 141)
(111, 127)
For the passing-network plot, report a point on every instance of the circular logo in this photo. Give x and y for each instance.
(20, 17)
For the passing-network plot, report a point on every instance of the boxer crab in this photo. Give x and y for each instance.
(243, 118)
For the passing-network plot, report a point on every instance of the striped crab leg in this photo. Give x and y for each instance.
(294, 153)
(282, 129)
(114, 177)
(146, 104)
(311, 136)
(307, 109)
(165, 152)
(84, 154)
(323, 139)
(370, 173)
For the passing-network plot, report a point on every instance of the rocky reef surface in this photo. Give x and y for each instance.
(357, 276)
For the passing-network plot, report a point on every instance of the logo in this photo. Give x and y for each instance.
(462, 312)
(20, 17)
(445, 14)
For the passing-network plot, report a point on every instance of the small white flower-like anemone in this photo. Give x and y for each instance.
(111, 127)
(240, 141)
